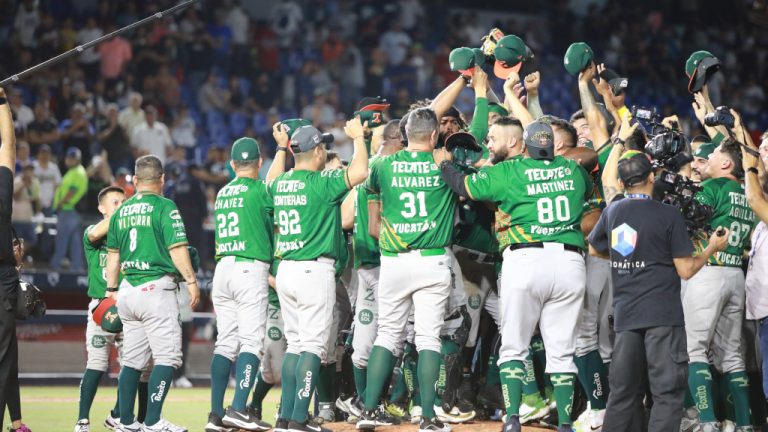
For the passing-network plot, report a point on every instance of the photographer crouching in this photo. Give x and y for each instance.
(650, 251)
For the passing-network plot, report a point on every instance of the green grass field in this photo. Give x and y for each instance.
(54, 409)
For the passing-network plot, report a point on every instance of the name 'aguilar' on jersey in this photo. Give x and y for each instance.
(143, 230)
(538, 200)
(417, 207)
(244, 226)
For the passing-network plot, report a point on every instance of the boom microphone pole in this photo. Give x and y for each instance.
(80, 48)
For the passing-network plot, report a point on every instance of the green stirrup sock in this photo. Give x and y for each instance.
(325, 383)
(530, 385)
(88, 386)
(380, 364)
(245, 373)
(447, 348)
(143, 401)
(512, 374)
(738, 384)
(593, 378)
(128, 384)
(562, 384)
(159, 384)
(260, 391)
(307, 372)
(220, 367)
(492, 373)
(410, 376)
(428, 370)
(288, 383)
(361, 375)
(688, 403)
(700, 385)
(399, 388)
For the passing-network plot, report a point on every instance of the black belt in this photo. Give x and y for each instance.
(571, 248)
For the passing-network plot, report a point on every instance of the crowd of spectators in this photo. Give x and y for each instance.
(184, 86)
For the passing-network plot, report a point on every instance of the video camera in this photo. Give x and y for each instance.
(721, 116)
(680, 191)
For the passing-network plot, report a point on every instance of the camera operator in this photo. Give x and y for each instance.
(713, 300)
(649, 251)
(9, 275)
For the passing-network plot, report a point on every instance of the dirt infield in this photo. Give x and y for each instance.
(485, 426)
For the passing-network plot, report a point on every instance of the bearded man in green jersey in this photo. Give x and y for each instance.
(306, 201)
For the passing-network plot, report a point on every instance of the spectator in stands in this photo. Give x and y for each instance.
(395, 44)
(27, 20)
(67, 35)
(43, 130)
(183, 132)
(215, 173)
(151, 137)
(77, 131)
(47, 38)
(22, 155)
(167, 88)
(185, 190)
(22, 114)
(322, 114)
(221, 34)
(132, 115)
(48, 174)
(114, 140)
(90, 59)
(264, 93)
(124, 179)
(211, 96)
(26, 203)
(238, 22)
(69, 231)
(115, 54)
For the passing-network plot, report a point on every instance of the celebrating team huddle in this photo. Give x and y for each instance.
(475, 294)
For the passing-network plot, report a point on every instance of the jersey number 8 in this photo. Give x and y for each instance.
(227, 230)
(549, 210)
(288, 222)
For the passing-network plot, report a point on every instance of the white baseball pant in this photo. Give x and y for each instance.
(410, 279)
(713, 304)
(456, 299)
(239, 298)
(542, 286)
(479, 275)
(98, 342)
(366, 315)
(151, 327)
(307, 292)
(593, 330)
(274, 346)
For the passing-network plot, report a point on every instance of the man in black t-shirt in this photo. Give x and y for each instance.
(650, 250)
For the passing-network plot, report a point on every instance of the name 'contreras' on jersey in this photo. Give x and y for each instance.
(243, 217)
(417, 207)
(306, 213)
(143, 230)
(538, 201)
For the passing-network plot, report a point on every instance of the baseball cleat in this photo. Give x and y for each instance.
(281, 425)
(22, 428)
(163, 426)
(325, 413)
(111, 423)
(532, 410)
(367, 420)
(690, 422)
(182, 382)
(590, 421)
(215, 425)
(256, 412)
(512, 424)
(83, 425)
(343, 405)
(243, 420)
(490, 396)
(383, 418)
(133, 427)
(396, 410)
(415, 414)
(433, 425)
(454, 416)
(307, 426)
(710, 427)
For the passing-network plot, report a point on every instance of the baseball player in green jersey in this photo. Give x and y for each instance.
(713, 299)
(244, 236)
(98, 342)
(306, 201)
(147, 241)
(417, 211)
(540, 200)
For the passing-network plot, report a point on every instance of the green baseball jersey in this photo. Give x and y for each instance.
(731, 210)
(342, 259)
(244, 225)
(417, 207)
(365, 248)
(596, 200)
(96, 258)
(538, 201)
(475, 228)
(272, 298)
(143, 230)
(306, 213)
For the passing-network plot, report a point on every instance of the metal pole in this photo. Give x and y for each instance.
(80, 48)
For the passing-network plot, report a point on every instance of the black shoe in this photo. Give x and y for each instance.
(256, 412)
(512, 425)
(367, 420)
(383, 418)
(433, 425)
(490, 397)
(215, 424)
(244, 420)
(281, 425)
(307, 426)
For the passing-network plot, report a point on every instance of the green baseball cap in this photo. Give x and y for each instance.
(245, 149)
(510, 53)
(498, 109)
(292, 124)
(105, 314)
(462, 60)
(699, 67)
(578, 56)
(704, 150)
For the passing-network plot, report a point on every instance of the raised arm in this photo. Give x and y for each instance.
(357, 171)
(444, 101)
(595, 119)
(531, 83)
(516, 107)
(7, 135)
(610, 176)
(278, 163)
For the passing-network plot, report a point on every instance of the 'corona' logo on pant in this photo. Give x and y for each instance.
(245, 382)
(157, 397)
(305, 392)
